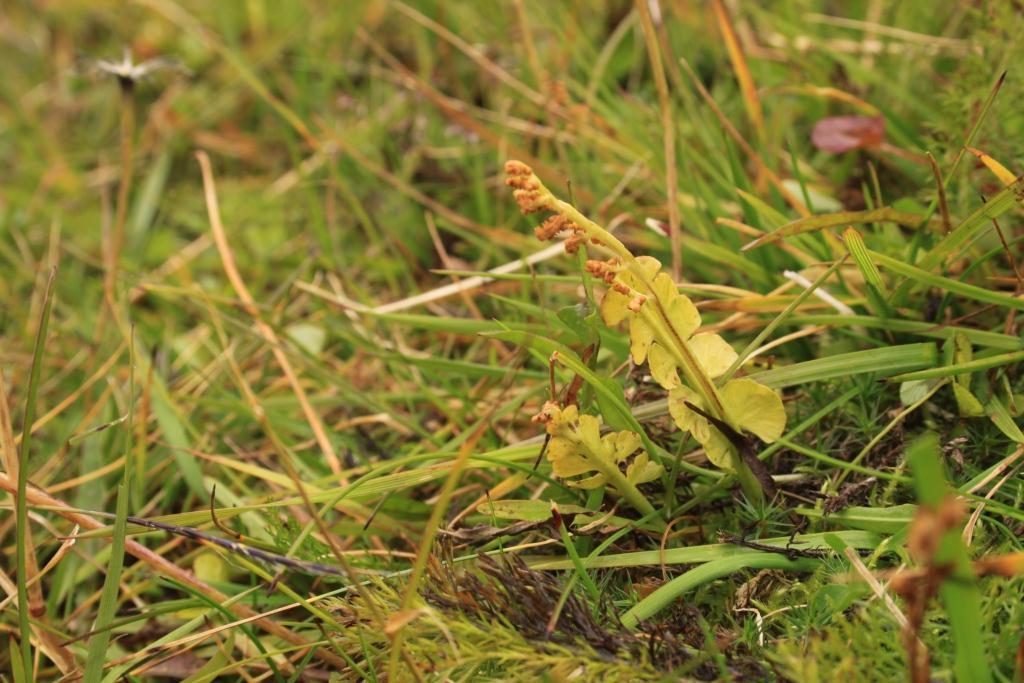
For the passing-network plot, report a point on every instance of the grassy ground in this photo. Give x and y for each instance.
(246, 339)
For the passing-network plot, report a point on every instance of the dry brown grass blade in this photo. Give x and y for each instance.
(46, 639)
(281, 448)
(1004, 466)
(449, 264)
(453, 110)
(73, 397)
(947, 224)
(431, 295)
(176, 261)
(876, 586)
(174, 13)
(9, 453)
(739, 65)
(750, 230)
(754, 157)
(285, 456)
(829, 93)
(668, 126)
(163, 567)
(473, 53)
(228, 260)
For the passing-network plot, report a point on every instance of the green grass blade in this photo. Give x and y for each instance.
(962, 368)
(623, 417)
(882, 362)
(981, 218)
(108, 598)
(861, 256)
(21, 513)
(176, 434)
(696, 554)
(17, 665)
(883, 520)
(995, 340)
(1003, 420)
(667, 593)
(97, 653)
(922, 276)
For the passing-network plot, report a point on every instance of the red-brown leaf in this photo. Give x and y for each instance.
(838, 134)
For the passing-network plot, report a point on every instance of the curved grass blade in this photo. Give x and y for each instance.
(663, 597)
(884, 520)
(886, 214)
(623, 416)
(962, 368)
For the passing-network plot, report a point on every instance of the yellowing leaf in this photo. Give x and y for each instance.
(754, 408)
(311, 338)
(589, 483)
(640, 337)
(713, 353)
(719, 451)
(649, 266)
(663, 367)
(681, 312)
(564, 458)
(589, 430)
(209, 566)
(962, 353)
(1005, 175)
(621, 445)
(913, 391)
(525, 510)
(716, 446)
(642, 470)
(614, 307)
(751, 407)
(686, 419)
(968, 405)
(577, 448)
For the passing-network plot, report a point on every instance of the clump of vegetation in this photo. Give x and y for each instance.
(288, 392)
(662, 323)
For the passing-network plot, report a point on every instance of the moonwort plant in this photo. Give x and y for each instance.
(663, 328)
(577, 448)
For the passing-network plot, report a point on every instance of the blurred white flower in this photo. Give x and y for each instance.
(127, 71)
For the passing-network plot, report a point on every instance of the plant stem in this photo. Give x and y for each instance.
(624, 486)
(124, 186)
